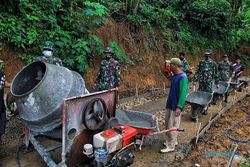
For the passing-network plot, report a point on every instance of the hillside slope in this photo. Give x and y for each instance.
(146, 71)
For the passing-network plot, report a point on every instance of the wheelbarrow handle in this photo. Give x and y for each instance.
(181, 130)
(167, 130)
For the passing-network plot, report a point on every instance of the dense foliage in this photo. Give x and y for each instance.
(187, 25)
(69, 24)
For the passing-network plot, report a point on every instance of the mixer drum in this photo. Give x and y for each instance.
(39, 89)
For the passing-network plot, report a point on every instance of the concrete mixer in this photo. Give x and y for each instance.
(54, 104)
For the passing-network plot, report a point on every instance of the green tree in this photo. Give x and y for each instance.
(70, 24)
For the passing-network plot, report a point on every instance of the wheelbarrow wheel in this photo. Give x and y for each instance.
(196, 109)
(205, 112)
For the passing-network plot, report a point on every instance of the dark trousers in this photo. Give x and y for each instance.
(2, 122)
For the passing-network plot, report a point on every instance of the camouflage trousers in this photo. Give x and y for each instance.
(205, 87)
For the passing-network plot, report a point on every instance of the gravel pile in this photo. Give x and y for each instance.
(130, 104)
(10, 140)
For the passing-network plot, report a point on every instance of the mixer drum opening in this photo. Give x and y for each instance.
(39, 90)
(28, 79)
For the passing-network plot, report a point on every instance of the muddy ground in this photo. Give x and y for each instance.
(214, 148)
(215, 140)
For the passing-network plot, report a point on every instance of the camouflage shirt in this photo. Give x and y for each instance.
(53, 60)
(225, 70)
(185, 66)
(109, 75)
(206, 74)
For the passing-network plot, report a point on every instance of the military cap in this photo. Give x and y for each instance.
(48, 45)
(109, 50)
(208, 52)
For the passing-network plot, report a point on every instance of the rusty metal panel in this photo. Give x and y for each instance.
(75, 134)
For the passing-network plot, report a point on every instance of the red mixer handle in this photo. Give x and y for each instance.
(172, 129)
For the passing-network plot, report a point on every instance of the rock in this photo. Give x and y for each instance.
(196, 165)
(179, 156)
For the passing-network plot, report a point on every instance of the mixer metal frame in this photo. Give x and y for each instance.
(74, 134)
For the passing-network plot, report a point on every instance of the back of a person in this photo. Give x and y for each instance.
(174, 89)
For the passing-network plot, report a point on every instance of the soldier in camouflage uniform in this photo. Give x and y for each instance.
(225, 71)
(206, 73)
(109, 74)
(225, 68)
(184, 64)
(48, 56)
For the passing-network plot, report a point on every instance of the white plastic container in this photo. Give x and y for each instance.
(87, 149)
(110, 142)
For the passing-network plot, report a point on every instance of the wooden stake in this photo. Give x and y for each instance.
(196, 124)
(210, 117)
(232, 152)
(197, 134)
(118, 98)
(136, 91)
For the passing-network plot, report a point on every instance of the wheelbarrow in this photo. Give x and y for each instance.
(146, 124)
(199, 102)
(143, 122)
(245, 81)
(221, 90)
(236, 83)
